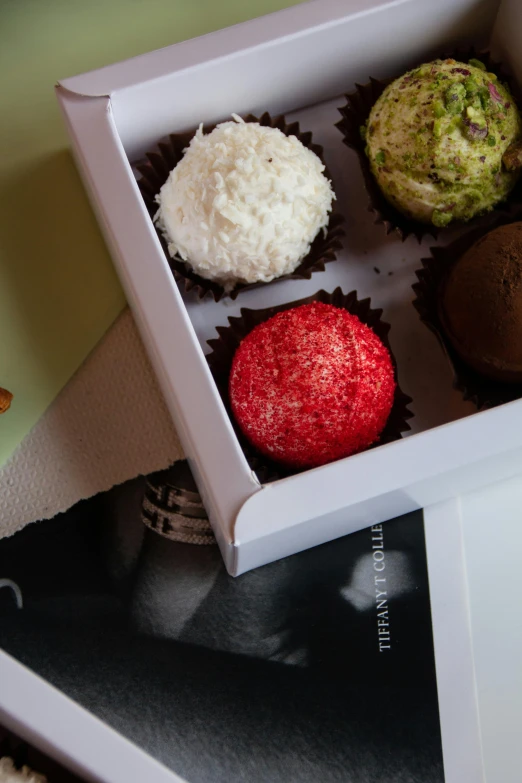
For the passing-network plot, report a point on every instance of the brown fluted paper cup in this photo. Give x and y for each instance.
(225, 346)
(483, 392)
(155, 172)
(355, 113)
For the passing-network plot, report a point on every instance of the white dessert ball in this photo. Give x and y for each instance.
(244, 203)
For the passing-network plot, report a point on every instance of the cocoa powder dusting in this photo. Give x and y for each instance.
(482, 304)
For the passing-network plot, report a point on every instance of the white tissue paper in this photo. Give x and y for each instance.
(108, 425)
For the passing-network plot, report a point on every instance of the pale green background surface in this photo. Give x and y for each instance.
(58, 290)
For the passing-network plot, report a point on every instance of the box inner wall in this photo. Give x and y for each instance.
(379, 266)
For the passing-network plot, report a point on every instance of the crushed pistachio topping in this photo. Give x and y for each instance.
(436, 138)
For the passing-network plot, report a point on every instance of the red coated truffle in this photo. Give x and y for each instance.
(311, 385)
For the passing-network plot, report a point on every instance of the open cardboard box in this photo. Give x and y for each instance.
(307, 56)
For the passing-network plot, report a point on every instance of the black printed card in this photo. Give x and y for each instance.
(319, 667)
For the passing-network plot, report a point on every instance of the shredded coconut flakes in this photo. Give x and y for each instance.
(244, 204)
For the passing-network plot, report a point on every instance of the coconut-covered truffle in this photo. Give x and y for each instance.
(481, 305)
(436, 139)
(244, 203)
(311, 385)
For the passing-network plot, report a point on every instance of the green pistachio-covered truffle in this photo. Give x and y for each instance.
(444, 141)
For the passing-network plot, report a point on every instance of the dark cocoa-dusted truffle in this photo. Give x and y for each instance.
(481, 305)
(311, 385)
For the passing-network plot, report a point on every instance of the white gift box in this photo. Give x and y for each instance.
(307, 56)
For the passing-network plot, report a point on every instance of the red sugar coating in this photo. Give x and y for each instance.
(311, 385)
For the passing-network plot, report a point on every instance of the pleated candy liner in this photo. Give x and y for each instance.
(155, 172)
(224, 347)
(355, 113)
(483, 392)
